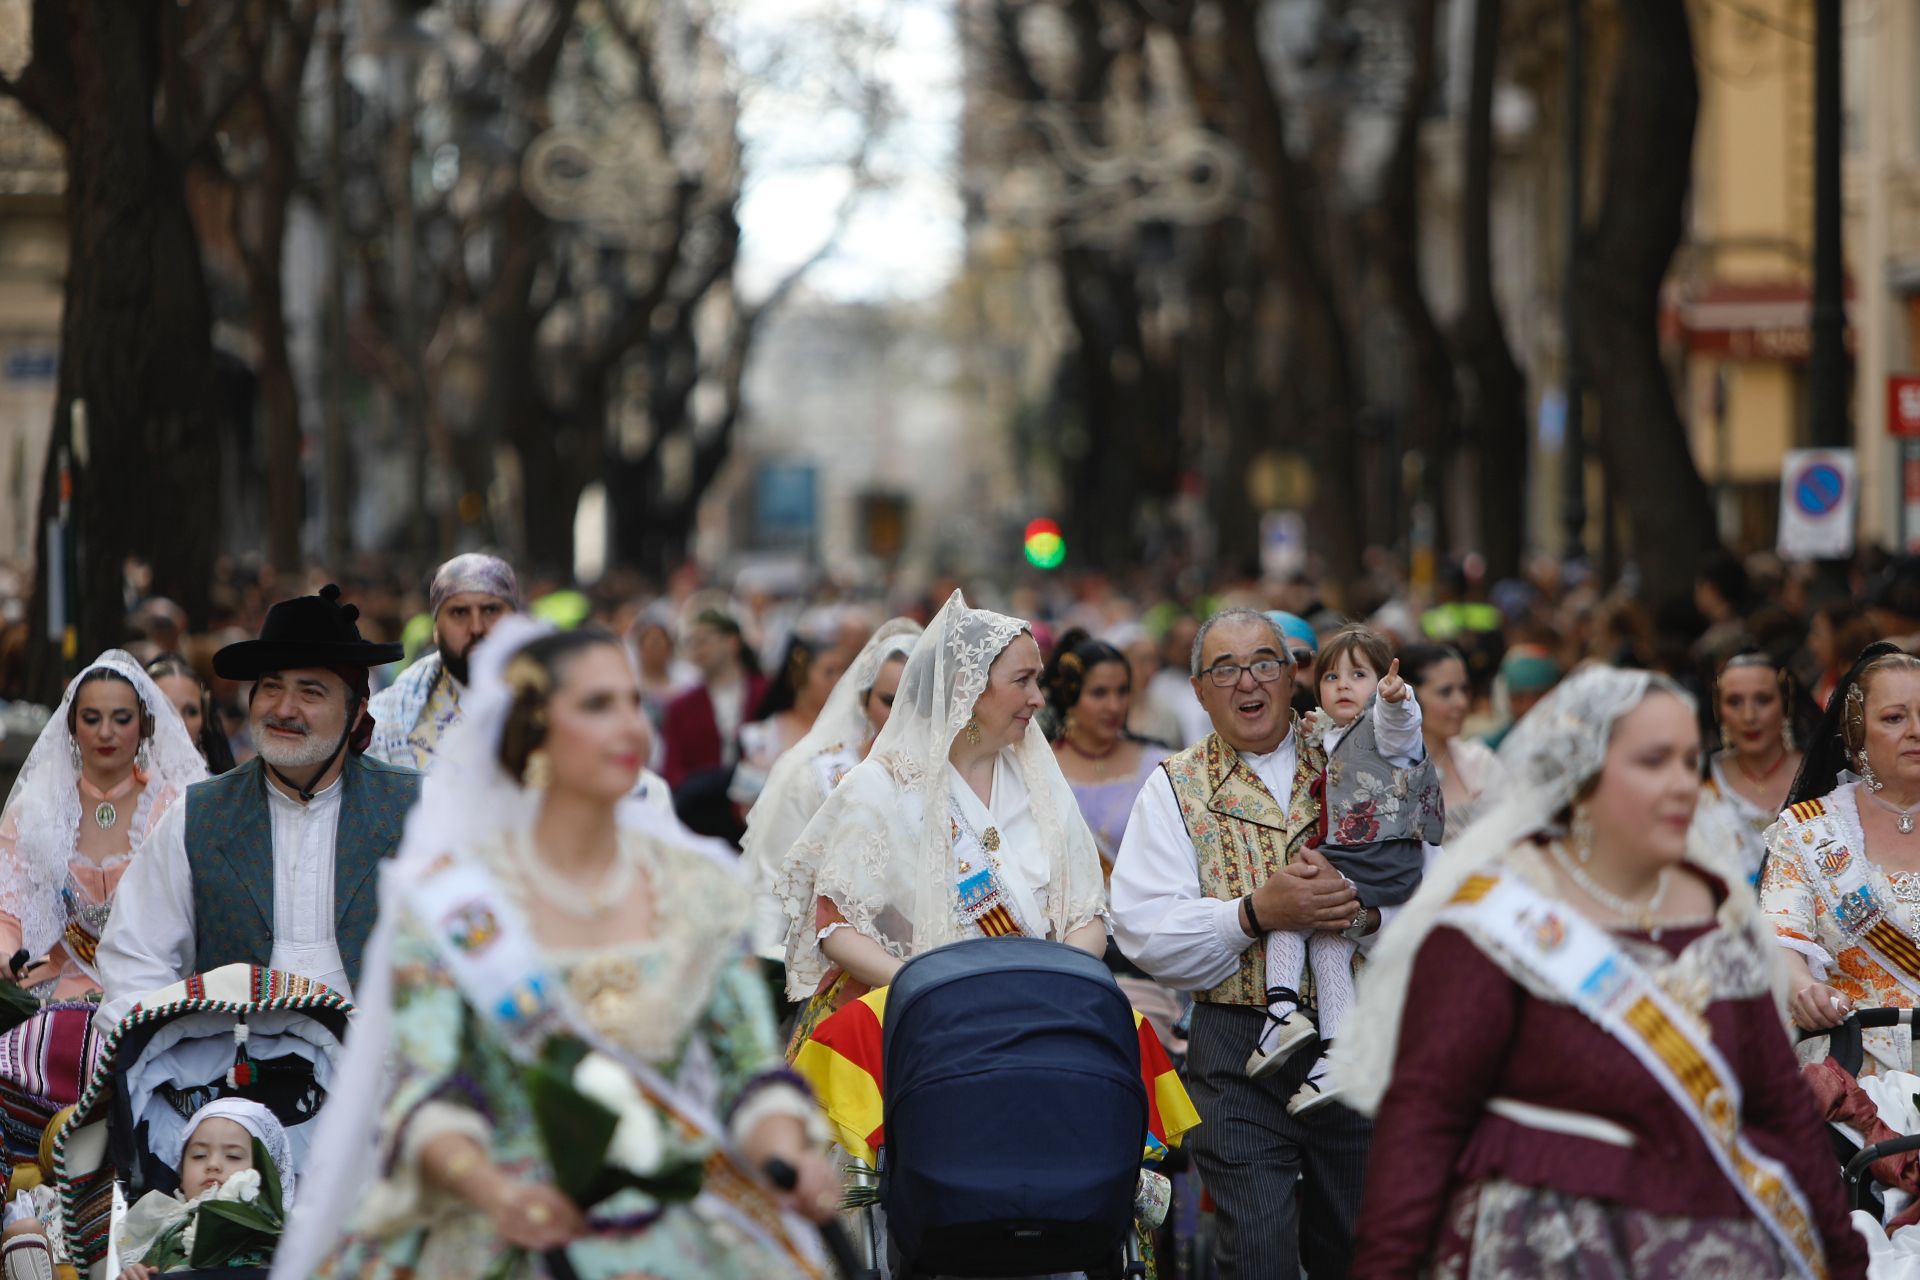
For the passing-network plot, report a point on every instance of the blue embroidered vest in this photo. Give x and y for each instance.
(230, 853)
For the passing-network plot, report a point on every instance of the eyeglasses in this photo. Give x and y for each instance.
(1225, 674)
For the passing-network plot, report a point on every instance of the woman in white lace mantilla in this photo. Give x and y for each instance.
(535, 906)
(802, 779)
(958, 824)
(110, 762)
(1570, 1039)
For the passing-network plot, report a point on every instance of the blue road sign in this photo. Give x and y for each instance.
(1818, 489)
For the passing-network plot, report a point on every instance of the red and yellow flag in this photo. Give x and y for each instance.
(841, 1060)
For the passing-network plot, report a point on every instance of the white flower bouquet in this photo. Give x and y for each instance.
(601, 1134)
(236, 1224)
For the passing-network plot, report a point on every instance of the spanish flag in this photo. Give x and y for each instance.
(841, 1060)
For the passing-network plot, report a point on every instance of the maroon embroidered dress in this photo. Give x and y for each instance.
(1456, 1190)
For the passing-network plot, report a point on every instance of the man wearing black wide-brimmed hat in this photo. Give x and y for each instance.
(273, 863)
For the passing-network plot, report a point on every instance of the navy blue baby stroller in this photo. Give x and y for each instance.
(1015, 1115)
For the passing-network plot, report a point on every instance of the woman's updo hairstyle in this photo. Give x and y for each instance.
(95, 676)
(533, 674)
(1853, 722)
(1417, 661)
(1066, 672)
(1842, 732)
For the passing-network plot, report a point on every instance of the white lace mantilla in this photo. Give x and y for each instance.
(881, 847)
(40, 828)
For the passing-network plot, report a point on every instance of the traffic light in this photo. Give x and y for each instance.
(1046, 549)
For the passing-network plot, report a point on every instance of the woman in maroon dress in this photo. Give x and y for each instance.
(1595, 1080)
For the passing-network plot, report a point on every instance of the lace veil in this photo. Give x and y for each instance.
(465, 805)
(792, 794)
(881, 847)
(1550, 755)
(42, 818)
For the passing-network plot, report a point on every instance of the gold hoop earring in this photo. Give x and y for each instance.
(538, 774)
(972, 731)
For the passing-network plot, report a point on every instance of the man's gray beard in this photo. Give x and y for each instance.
(306, 753)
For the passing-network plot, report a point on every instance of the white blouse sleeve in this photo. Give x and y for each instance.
(1161, 919)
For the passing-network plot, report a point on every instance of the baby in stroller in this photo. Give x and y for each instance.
(214, 1046)
(1381, 809)
(230, 1150)
(236, 1154)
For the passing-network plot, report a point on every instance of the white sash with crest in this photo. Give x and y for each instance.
(1582, 964)
(1857, 895)
(494, 959)
(984, 902)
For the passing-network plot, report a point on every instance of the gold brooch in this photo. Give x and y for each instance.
(991, 840)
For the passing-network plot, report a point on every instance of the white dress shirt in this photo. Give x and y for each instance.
(729, 708)
(1161, 919)
(149, 940)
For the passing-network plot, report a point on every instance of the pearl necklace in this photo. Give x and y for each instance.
(1626, 909)
(582, 901)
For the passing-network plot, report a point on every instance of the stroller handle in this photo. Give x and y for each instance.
(1847, 1046)
(1858, 1172)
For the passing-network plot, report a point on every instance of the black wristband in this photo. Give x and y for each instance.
(1253, 921)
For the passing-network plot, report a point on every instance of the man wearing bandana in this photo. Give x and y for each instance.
(271, 864)
(469, 596)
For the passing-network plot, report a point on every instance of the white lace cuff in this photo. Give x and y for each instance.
(406, 1199)
(828, 932)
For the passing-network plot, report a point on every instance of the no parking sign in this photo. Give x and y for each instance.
(1817, 499)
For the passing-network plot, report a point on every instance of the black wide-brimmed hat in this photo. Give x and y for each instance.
(309, 631)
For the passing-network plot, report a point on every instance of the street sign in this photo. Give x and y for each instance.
(1283, 543)
(1903, 406)
(1817, 499)
(1910, 495)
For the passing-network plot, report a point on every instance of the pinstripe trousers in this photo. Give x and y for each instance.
(1287, 1191)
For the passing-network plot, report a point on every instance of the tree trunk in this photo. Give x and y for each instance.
(1497, 407)
(1648, 166)
(1433, 412)
(1322, 353)
(264, 249)
(135, 343)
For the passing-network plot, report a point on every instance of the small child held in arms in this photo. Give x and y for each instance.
(1381, 810)
(233, 1153)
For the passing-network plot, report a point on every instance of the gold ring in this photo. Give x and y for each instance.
(539, 1215)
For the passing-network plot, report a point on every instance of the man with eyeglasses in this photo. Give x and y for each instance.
(1215, 854)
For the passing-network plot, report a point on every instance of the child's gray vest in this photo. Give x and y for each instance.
(230, 852)
(1377, 816)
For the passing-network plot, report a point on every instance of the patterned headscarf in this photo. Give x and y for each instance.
(488, 575)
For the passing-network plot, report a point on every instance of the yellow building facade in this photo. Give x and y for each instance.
(1738, 310)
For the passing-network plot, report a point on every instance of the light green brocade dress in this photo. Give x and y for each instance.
(689, 1003)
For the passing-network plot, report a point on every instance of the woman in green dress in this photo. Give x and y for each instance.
(535, 914)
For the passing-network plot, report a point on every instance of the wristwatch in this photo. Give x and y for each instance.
(1363, 925)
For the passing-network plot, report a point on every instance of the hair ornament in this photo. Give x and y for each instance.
(525, 676)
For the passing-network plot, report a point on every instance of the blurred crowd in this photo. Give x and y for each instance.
(788, 636)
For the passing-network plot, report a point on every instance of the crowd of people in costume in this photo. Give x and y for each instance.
(1510, 936)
